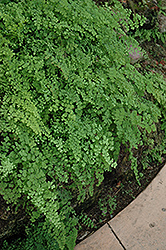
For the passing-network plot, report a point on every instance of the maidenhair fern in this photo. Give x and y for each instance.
(69, 98)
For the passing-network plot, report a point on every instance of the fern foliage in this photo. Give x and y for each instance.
(69, 98)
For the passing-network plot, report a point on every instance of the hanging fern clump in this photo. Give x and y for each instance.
(69, 98)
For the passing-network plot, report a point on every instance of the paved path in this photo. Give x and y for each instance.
(140, 226)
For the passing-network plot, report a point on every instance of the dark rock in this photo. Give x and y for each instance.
(162, 23)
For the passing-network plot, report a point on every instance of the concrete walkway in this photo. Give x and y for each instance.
(140, 226)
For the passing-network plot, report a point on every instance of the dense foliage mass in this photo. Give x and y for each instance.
(69, 98)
